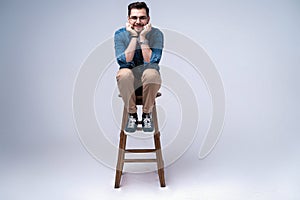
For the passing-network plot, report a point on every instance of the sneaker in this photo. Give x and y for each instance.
(132, 123)
(147, 122)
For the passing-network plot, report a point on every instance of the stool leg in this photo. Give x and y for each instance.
(160, 162)
(121, 157)
(154, 117)
(121, 153)
(124, 118)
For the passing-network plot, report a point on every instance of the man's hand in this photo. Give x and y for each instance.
(131, 30)
(146, 30)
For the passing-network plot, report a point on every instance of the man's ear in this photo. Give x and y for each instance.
(148, 20)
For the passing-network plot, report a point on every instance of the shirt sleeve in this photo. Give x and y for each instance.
(120, 47)
(156, 45)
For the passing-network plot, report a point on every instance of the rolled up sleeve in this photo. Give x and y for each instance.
(120, 48)
(156, 45)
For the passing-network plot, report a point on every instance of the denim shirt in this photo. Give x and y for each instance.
(122, 39)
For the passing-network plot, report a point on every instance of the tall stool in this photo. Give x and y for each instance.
(123, 150)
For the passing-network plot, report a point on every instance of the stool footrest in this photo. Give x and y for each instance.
(140, 150)
(140, 160)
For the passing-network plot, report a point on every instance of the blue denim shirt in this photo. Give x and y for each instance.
(122, 39)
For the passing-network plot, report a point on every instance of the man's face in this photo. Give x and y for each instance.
(138, 19)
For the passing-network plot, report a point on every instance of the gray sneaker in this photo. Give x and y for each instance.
(132, 123)
(147, 122)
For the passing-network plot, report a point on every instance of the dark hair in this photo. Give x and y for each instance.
(138, 5)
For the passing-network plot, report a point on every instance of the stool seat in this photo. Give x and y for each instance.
(139, 98)
(123, 150)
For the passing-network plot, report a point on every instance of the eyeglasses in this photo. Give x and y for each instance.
(135, 18)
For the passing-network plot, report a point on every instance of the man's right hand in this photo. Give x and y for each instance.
(131, 30)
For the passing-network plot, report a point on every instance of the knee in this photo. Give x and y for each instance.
(151, 76)
(125, 75)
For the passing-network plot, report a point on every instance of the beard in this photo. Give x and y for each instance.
(138, 27)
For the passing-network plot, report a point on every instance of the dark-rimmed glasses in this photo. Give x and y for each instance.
(135, 18)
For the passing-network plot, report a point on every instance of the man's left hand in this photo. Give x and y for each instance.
(147, 29)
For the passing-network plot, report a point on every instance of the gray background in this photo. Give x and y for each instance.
(255, 46)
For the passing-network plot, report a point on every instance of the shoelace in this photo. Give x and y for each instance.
(131, 122)
(147, 122)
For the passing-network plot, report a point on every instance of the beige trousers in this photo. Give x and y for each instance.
(127, 84)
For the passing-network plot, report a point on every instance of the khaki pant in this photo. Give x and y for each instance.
(127, 83)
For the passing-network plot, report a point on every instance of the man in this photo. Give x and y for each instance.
(138, 49)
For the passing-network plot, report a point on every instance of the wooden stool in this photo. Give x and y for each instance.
(123, 150)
